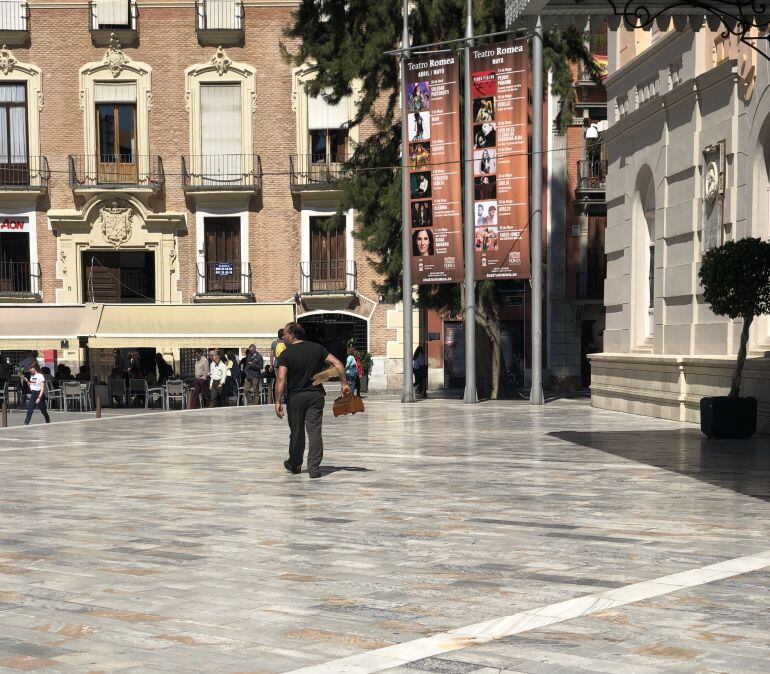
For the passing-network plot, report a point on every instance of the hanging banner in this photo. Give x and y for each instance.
(432, 95)
(499, 84)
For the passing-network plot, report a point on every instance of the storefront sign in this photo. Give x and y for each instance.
(14, 223)
(435, 177)
(500, 163)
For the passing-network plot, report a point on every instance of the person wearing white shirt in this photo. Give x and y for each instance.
(218, 375)
(36, 382)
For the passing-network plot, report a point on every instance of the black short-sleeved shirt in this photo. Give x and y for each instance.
(303, 361)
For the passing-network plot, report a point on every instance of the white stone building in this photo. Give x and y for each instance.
(688, 151)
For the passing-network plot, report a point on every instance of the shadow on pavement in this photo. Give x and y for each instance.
(742, 466)
(328, 470)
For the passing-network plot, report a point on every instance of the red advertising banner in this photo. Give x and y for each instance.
(499, 86)
(432, 95)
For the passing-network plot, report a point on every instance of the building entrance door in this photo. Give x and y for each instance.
(334, 331)
(118, 277)
(15, 270)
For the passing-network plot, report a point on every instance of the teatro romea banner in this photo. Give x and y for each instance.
(432, 95)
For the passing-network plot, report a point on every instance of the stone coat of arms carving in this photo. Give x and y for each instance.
(115, 223)
(115, 59)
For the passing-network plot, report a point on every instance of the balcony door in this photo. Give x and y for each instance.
(116, 128)
(221, 135)
(14, 158)
(327, 256)
(223, 255)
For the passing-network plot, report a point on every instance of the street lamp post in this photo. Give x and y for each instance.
(407, 393)
(470, 284)
(536, 393)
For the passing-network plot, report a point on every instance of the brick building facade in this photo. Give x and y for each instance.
(162, 164)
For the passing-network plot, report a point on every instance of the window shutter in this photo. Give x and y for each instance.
(112, 12)
(322, 115)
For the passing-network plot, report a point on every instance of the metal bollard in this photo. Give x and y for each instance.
(5, 413)
(98, 407)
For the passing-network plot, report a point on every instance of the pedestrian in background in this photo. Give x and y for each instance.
(201, 385)
(252, 367)
(218, 378)
(351, 370)
(36, 383)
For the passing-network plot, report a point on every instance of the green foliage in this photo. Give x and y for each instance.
(736, 278)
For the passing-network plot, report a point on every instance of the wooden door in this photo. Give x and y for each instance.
(117, 160)
(223, 255)
(327, 256)
(101, 277)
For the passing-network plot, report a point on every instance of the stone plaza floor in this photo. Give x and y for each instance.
(442, 538)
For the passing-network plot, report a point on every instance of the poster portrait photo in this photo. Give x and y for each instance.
(484, 135)
(485, 187)
(422, 243)
(422, 214)
(487, 239)
(486, 213)
(419, 97)
(419, 155)
(420, 185)
(419, 126)
(484, 109)
(485, 161)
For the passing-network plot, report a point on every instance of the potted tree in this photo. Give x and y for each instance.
(736, 282)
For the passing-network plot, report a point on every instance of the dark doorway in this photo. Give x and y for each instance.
(125, 277)
(223, 255)
(334, 331)
(15, 271)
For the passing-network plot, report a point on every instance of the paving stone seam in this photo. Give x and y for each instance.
(398, 655)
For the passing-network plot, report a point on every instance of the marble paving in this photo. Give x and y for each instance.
(442, 538)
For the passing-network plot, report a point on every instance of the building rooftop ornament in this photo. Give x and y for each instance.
(114, 57)
(748, 20)
(221, 61)
(7, 61)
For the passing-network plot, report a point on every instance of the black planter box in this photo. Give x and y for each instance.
(723, 417)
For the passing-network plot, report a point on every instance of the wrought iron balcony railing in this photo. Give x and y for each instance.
(222, 172)
(14, 16)
(219, 15)
(224, 278)
(589, 285)
(315, 171)
(591, 174)
(328, 276)
(24, 173)
(114, 171)
(20, 279)
(113, 15)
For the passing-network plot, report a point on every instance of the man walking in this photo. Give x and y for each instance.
(36, 382)
(253, 364)
(296, 367)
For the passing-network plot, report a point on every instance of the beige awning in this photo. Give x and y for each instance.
(44, 326)
(41, 326)
(126, 325)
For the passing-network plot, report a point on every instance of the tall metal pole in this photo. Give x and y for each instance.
(536, 231)
(470, 284)
(407, 393)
